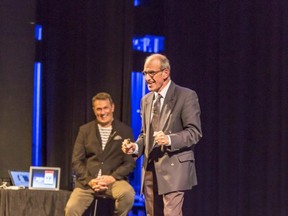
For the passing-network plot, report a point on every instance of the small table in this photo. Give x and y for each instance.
(27, 202)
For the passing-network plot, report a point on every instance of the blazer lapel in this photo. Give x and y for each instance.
(147, 106)
(147, 110)
(98, 137)
(168, 105)
(113, 133)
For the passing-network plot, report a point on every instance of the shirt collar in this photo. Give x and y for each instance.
(163, 91)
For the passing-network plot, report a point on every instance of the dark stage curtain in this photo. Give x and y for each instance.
(17, 46)
(86, 49)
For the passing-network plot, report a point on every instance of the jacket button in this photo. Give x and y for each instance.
(172, 164)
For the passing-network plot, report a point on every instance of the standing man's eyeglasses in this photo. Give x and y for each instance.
(152, 73)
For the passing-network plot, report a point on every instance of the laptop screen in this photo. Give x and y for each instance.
(44, 178)
(19, 178)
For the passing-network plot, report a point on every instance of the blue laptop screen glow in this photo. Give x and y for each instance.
(19, 178)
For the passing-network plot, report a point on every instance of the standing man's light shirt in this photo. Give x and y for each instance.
(163, 95)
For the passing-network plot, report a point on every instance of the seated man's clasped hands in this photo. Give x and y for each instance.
(100, 184)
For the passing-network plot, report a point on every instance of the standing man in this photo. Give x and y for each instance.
(99, 163)
(170, 128)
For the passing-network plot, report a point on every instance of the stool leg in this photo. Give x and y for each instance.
(95, 207)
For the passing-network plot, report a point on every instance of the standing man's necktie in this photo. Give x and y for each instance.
(156, 113)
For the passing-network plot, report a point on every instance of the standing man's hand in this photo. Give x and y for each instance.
(161, 138)
(128, 147)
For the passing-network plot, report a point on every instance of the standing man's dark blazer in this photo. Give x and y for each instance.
(88, 156)
(180, 119)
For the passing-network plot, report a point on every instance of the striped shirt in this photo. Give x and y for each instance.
(104, 133)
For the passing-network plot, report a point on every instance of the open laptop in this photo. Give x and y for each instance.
(44, 178)
(19, 178)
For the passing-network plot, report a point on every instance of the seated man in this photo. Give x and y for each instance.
(99, 163)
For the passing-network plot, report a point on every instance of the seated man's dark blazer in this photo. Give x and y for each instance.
(88, 156)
